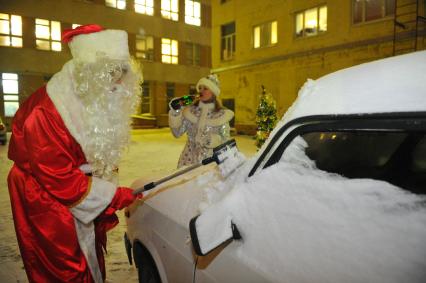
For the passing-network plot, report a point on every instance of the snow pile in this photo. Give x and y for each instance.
(304, 225)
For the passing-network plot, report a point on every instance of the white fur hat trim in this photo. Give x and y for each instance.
(112, 43)
(211, 82)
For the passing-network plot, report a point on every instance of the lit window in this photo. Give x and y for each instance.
(227, 45)
(193, 54)
(48, 35)
(169, 9)
(193, 12)
(75, 26)
(265, 34)
(119, 4)
(169, 51)
(370, 10)
(10, 93)
(144, 7)
(145, 47)
(311, 22)
(10, 30)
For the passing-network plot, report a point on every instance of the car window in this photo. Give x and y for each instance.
(419, 156)
(396, 157)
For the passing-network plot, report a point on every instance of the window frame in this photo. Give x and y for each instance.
(363, 21)
(10, 94)
(52, 42)
(13, 34)
(146, 99)
(230, 40)
(263, 26)
(170, 93)
(171, 55)
(145, 7)
(149, 53)
(403, 121)
(108, 3)
(318, 31)
(170, 14)
(195, 59)
(192, 16)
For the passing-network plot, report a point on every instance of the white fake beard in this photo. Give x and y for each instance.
(108, 104)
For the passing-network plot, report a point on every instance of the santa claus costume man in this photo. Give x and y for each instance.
(66, 143)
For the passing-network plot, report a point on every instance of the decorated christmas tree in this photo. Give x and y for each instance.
(266, 117)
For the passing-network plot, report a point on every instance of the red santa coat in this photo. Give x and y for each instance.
(54, 203)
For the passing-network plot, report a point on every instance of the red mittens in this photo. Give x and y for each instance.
(123, 198)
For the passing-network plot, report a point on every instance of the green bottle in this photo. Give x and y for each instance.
(182, 101)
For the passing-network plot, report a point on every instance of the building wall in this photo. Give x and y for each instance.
(35, 67)
(284, 67)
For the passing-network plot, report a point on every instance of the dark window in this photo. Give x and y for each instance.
(192, 54)
(227, 46)
(145, 47)
(170, 93)
(146, 98)
(369, 10)
(230, 104)
(395, 157)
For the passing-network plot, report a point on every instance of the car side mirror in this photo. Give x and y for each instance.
(211, 230)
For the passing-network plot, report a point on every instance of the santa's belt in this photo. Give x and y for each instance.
(87, 169)
(90, 174)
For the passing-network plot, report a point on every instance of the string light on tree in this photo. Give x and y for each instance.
(266, 117)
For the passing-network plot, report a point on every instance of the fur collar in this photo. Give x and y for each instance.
(218, 118)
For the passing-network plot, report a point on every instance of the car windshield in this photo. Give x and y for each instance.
(395, 157)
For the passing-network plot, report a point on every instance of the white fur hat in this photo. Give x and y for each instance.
(86, 42)
(211, 82)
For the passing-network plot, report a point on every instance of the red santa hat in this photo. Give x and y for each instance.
(88, 41)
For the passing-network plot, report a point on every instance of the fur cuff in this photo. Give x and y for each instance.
(175, 118)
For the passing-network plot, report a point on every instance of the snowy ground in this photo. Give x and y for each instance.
(152, 153)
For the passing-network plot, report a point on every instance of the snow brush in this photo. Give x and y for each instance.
(227, 157)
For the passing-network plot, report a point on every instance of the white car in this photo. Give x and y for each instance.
(336, 194)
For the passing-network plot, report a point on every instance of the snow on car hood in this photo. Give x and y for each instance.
(327, 228)
(394, 84)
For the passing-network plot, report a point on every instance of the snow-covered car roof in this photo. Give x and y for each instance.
(395, 84)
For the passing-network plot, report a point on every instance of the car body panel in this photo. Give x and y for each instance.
(165, 232)
(354, 91)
